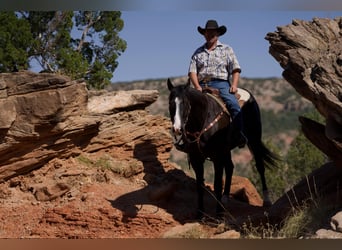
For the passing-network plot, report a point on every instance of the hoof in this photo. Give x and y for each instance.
(225, 200)
(199, 215)
(267, 204)
(220, 215)
(267, 200)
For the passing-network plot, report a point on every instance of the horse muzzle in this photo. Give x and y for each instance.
(176, 131)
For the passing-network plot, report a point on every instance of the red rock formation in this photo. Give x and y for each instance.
(310, 53)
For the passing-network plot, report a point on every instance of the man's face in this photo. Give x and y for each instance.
(211, 35)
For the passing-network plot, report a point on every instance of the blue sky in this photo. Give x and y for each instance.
(162, 34)
(161, 42)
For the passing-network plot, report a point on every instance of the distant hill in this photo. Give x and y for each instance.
(280, 104)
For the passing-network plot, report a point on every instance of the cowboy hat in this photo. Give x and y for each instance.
(212, 24)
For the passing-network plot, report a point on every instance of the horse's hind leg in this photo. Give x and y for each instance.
(255, 145)
(261, 169)
(226, 164)
(253, 130)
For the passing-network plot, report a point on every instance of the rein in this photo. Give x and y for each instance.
(198, 135)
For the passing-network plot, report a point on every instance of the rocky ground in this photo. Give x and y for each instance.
(71, 200)
(74, 199)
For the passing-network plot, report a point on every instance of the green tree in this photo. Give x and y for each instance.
(15, 39)
(303, 157)
(82, 44)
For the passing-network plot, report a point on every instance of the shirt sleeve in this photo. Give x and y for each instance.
(192, 66)
(233, 63)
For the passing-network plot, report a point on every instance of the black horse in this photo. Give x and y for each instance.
(203, 130)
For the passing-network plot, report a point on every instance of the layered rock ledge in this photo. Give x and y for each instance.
(47, 116)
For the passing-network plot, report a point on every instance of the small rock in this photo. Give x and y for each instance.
(220, 228)
(230, 234)
(328, 234)
(188, 231)
(14, 183)
(48, 193)
(35, 203)
(84, 197)
(336, 222)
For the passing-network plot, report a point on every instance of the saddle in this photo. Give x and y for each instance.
(241, 95)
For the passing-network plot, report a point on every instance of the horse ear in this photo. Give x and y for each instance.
(169, 84)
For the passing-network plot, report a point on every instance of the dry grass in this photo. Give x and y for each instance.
(303, 221)
(306, 220)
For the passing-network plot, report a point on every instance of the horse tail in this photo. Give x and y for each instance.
(253, 130)
(270, 159)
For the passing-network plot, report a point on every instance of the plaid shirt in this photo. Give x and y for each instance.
(218, 63)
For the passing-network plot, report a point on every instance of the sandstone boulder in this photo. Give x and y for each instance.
(310, 53)
(112, 102)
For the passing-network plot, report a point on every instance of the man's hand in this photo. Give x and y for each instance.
(235, 80)
(199, 88)
(194, 81)
(233, 89)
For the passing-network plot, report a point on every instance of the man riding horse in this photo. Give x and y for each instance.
(212, 65)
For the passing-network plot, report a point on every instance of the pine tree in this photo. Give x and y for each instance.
(303, 157)
(15, 39)
(82, 44)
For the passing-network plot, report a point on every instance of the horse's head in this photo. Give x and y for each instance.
(178, 106)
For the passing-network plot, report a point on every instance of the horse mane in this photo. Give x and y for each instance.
(211, 103)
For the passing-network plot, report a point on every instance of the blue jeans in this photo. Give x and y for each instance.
(229, 98)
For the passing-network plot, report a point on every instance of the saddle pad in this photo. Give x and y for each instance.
(243, 96)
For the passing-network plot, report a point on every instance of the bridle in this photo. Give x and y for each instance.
(184, 139)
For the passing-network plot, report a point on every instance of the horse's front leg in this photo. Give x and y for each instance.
(228, 168)
(218, 186)
(197, 165)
